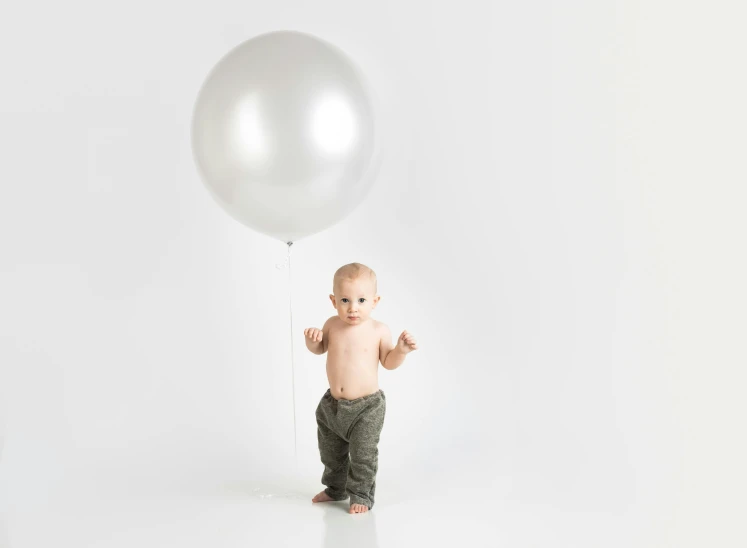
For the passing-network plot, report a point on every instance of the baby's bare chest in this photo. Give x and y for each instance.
(354, 345)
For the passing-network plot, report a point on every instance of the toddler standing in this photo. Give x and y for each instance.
(350, 415)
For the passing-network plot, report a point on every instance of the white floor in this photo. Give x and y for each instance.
(453, 498)
(245, 515)
(248, 514)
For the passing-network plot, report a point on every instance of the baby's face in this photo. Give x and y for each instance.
(354, 301)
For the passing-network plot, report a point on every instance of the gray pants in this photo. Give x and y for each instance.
(348, 433)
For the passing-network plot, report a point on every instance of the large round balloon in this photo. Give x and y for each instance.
(284, 134)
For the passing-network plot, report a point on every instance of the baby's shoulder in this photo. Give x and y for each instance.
(380, 328)
(331, 322)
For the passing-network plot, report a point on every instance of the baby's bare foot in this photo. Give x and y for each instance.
(321, 497)
(358, 508)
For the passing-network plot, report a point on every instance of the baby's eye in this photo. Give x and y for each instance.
(361, 299)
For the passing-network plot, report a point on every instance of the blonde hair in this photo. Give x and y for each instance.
(354, 271)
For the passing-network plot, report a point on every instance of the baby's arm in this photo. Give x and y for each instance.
(386, 347)
(392, 356)
(317, 341)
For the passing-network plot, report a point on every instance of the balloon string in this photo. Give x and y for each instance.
(287, 263)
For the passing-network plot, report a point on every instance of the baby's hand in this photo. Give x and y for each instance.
(406, 343)
(313, 334)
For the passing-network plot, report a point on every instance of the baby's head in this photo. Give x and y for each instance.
(354, 293)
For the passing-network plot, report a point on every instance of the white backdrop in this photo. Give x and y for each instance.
(558, 220)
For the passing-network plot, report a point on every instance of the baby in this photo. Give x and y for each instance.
(350, 415)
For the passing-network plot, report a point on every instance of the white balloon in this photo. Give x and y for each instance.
(284, 134)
